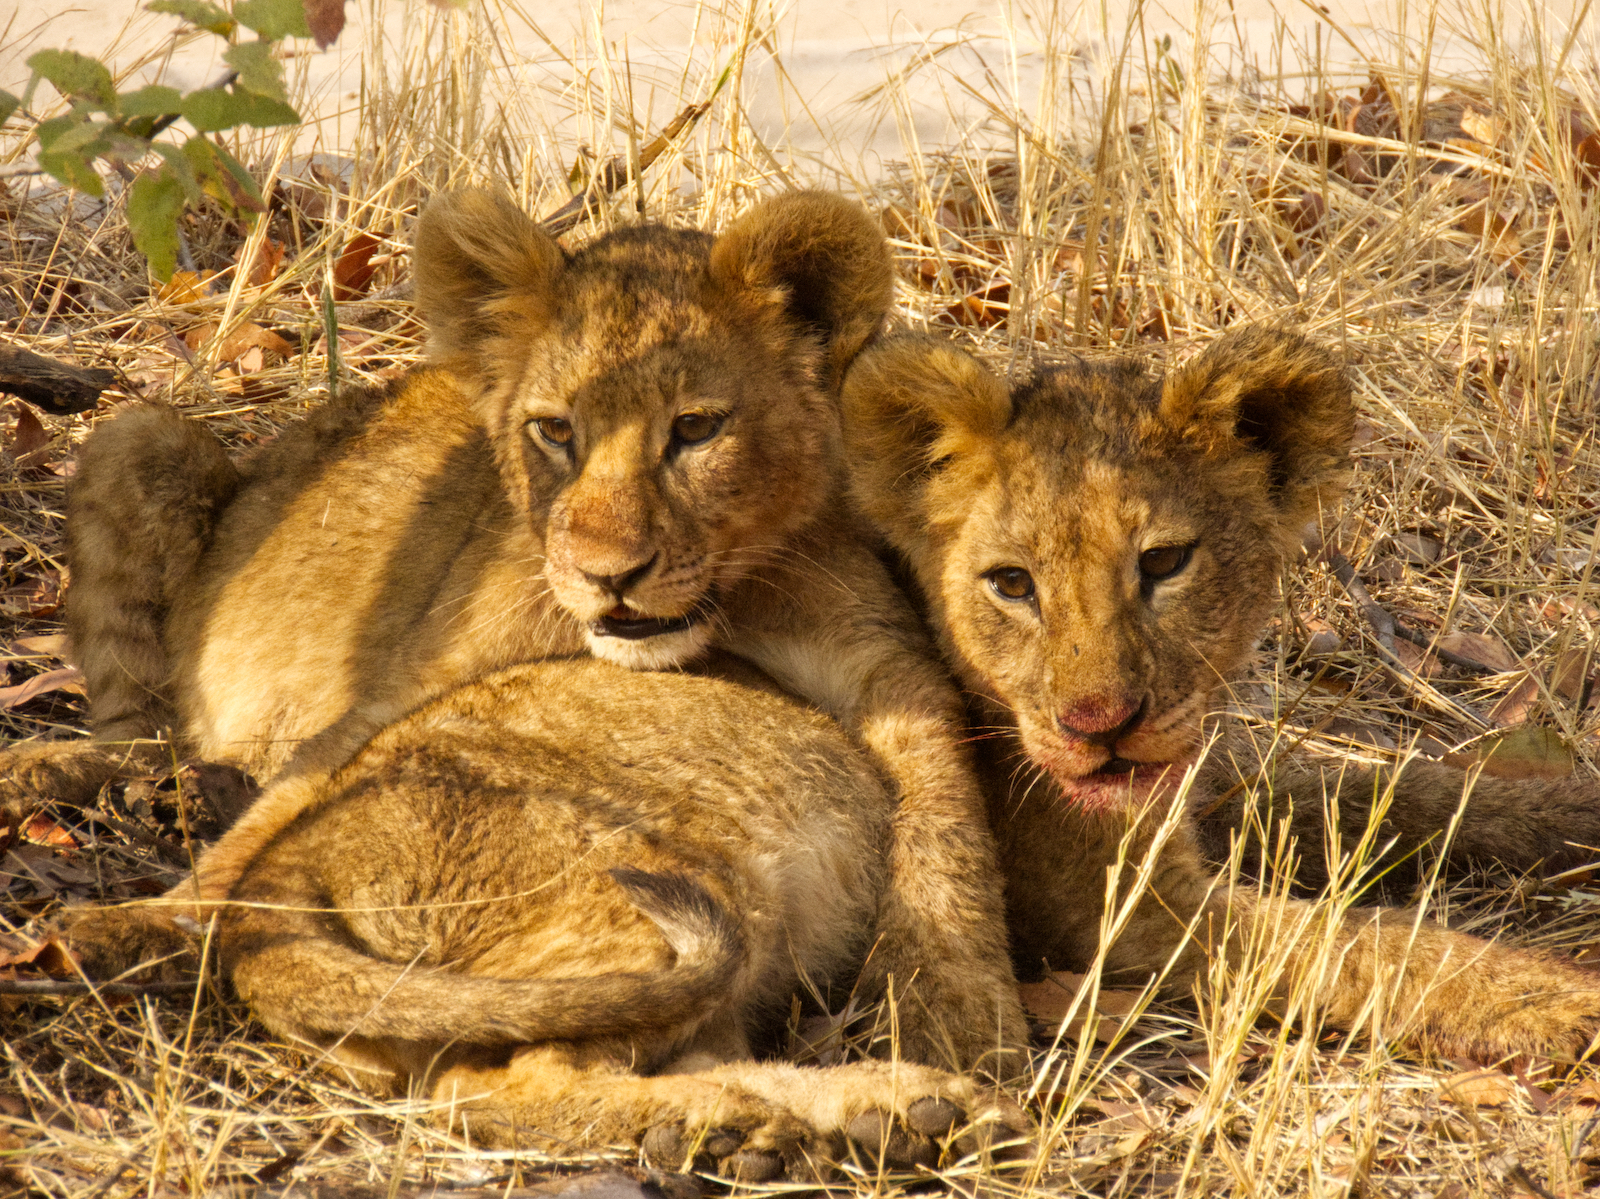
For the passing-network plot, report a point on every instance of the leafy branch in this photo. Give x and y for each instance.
(121, 128)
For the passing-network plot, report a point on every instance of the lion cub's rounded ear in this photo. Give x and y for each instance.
(481, 266)
(911, 404)
(1272, 390)
(827, 259)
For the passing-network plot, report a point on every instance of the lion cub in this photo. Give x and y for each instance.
(631, 450)
(594, 887)
(1098, 551)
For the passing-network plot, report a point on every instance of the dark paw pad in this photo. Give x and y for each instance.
(934, 1117)
(720, 1142)
(665, 1146)
(876, 1133)
(751, 1166)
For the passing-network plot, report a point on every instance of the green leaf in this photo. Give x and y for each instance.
(181, 168)
(8, 105)
(273, 19)
(48, 131)
(78, 75)
(213, 109)
(221, 176)
(198, 13)
(152, 101)
(258, 71)
(247, 195)
(75, 169)
(155, 204)
(74, 138)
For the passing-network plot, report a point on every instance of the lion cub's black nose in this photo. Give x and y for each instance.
(618, 584)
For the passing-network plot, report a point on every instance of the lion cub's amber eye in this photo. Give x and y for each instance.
(694, 427)
(1164, 561)
(1011, 582)
(554, 429)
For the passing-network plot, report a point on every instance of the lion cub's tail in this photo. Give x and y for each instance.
(150, 487)
(318, 985)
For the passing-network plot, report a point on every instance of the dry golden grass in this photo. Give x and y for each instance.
(1444, 232)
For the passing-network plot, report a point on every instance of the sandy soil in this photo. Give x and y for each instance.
(832, 53)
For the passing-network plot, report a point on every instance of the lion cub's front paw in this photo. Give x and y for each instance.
(135, 943)
(898, 1115)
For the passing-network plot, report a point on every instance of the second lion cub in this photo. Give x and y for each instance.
(631, 450)
(1099, 550)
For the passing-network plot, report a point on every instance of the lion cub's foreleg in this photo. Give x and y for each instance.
(1383, 969)
(942, 948)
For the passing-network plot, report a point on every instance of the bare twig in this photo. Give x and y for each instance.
(73, 986)
(618, 171)
(1385, 627)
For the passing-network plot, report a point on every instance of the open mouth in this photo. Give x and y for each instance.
(1118, 767)
(1116, 783)
(619, 622)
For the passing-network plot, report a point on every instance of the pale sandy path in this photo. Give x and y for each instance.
(831, 52)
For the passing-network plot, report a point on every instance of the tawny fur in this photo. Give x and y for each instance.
(591, 890)
(642, 434)
(1098, 551)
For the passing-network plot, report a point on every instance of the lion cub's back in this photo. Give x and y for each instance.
(544, 776)
(328, 580)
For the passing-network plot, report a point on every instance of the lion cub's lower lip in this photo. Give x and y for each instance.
(638, 628)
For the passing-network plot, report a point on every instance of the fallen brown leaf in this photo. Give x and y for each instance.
(43, 598)
(268, 262)
(29, 437)
(1416, 659)
(1052, 1000)
(41, 830)
(48, 645)
(1528, 752)
(1586, 1091)
(1478, 1088)
(354, 270)
(67, 678)
(1517, 704)
(246, 337)
(1480, 647)
(185, 287)
(984, 308)
(47, 957)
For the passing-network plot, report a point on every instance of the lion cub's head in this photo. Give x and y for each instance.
(1099, 548)
(662, 405)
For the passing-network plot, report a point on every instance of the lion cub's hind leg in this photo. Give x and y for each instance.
(149, 489)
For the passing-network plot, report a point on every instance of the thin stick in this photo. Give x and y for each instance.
(73, 986)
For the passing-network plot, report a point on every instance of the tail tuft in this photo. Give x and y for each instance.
(696, 926)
